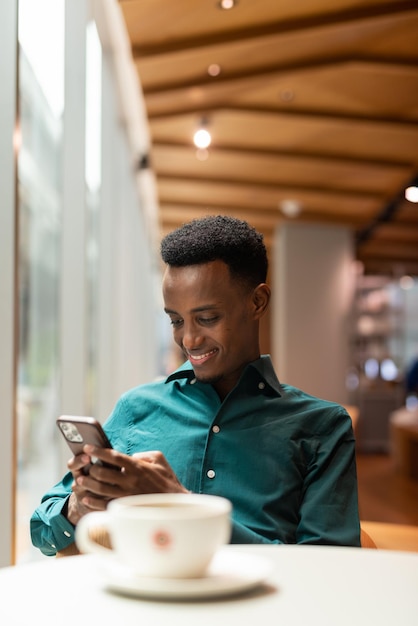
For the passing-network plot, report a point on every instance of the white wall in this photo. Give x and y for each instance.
(312, 291)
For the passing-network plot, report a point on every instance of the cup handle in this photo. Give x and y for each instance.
(88, 527)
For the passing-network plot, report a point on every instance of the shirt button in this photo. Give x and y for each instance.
(193, 380)
(216, 429)
(211, 474)
(261, 385)
(66, 533)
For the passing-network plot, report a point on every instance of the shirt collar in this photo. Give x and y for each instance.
(262, 366)
(184, 371)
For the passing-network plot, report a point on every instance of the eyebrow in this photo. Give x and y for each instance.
(198, 309)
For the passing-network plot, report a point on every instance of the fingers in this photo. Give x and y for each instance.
(89, 504)
(93, 486)
(155, 473)
(144, 472)
(151, 456)
(80, 504)
(107, 455)
(123, 461)
(77, 463)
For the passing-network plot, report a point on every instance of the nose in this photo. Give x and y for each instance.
(192, 337)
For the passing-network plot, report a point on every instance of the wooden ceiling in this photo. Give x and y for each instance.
(316, 102)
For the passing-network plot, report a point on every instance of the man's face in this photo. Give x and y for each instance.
(214, 321)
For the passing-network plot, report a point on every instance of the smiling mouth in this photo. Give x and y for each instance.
(201, 358)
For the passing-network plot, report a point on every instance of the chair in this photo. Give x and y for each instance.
(365, 540)
(354, 413)
(388, 536)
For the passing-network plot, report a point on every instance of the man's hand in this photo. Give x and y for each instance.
(81, 501)
(144, 472)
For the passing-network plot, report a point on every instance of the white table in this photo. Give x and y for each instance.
(308, 585)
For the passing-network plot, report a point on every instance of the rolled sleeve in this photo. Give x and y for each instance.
(50, 529)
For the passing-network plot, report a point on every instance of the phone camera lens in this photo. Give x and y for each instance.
(71, 432)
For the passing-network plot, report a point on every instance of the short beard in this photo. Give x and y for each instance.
(210, 380)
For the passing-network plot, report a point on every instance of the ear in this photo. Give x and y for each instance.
(260, 299)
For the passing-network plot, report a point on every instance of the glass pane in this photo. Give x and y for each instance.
(41, 97)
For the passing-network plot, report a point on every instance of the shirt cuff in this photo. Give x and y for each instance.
(62, 529)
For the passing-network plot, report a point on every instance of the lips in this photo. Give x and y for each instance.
(199, 359)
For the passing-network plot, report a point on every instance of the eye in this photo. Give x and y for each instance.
(207, 321)
(176, 323)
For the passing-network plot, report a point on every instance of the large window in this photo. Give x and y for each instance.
(80, 309)
(41, 98)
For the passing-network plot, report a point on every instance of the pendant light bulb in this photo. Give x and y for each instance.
(202, 138)
(411, 193)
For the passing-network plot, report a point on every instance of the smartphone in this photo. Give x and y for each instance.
(78, 431)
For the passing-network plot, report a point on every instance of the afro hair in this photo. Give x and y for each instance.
(218, 237)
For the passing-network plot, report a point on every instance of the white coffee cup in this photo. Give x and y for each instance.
(167, 535)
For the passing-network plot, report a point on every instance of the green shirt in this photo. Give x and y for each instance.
(285, 459)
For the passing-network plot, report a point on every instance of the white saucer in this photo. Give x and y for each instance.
(230, 573)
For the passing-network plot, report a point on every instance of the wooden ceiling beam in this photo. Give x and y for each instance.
(254, 183)
(298, 24)
(175, 189)
(390, 267)
(173, 214)
(397, 233)
(267, 71)
(384, 162)
(186, 107)
(389, 250)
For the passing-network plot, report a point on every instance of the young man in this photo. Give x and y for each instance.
(222, 423)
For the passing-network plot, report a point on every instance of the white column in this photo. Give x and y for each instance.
(312, 295)
(74, 288)
(8, 284)
(127, 311)
(108, 224)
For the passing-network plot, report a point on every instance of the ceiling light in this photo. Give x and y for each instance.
(411, 193)
(227, 4)
(214, 69)
(290, 208)
(202, 137)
